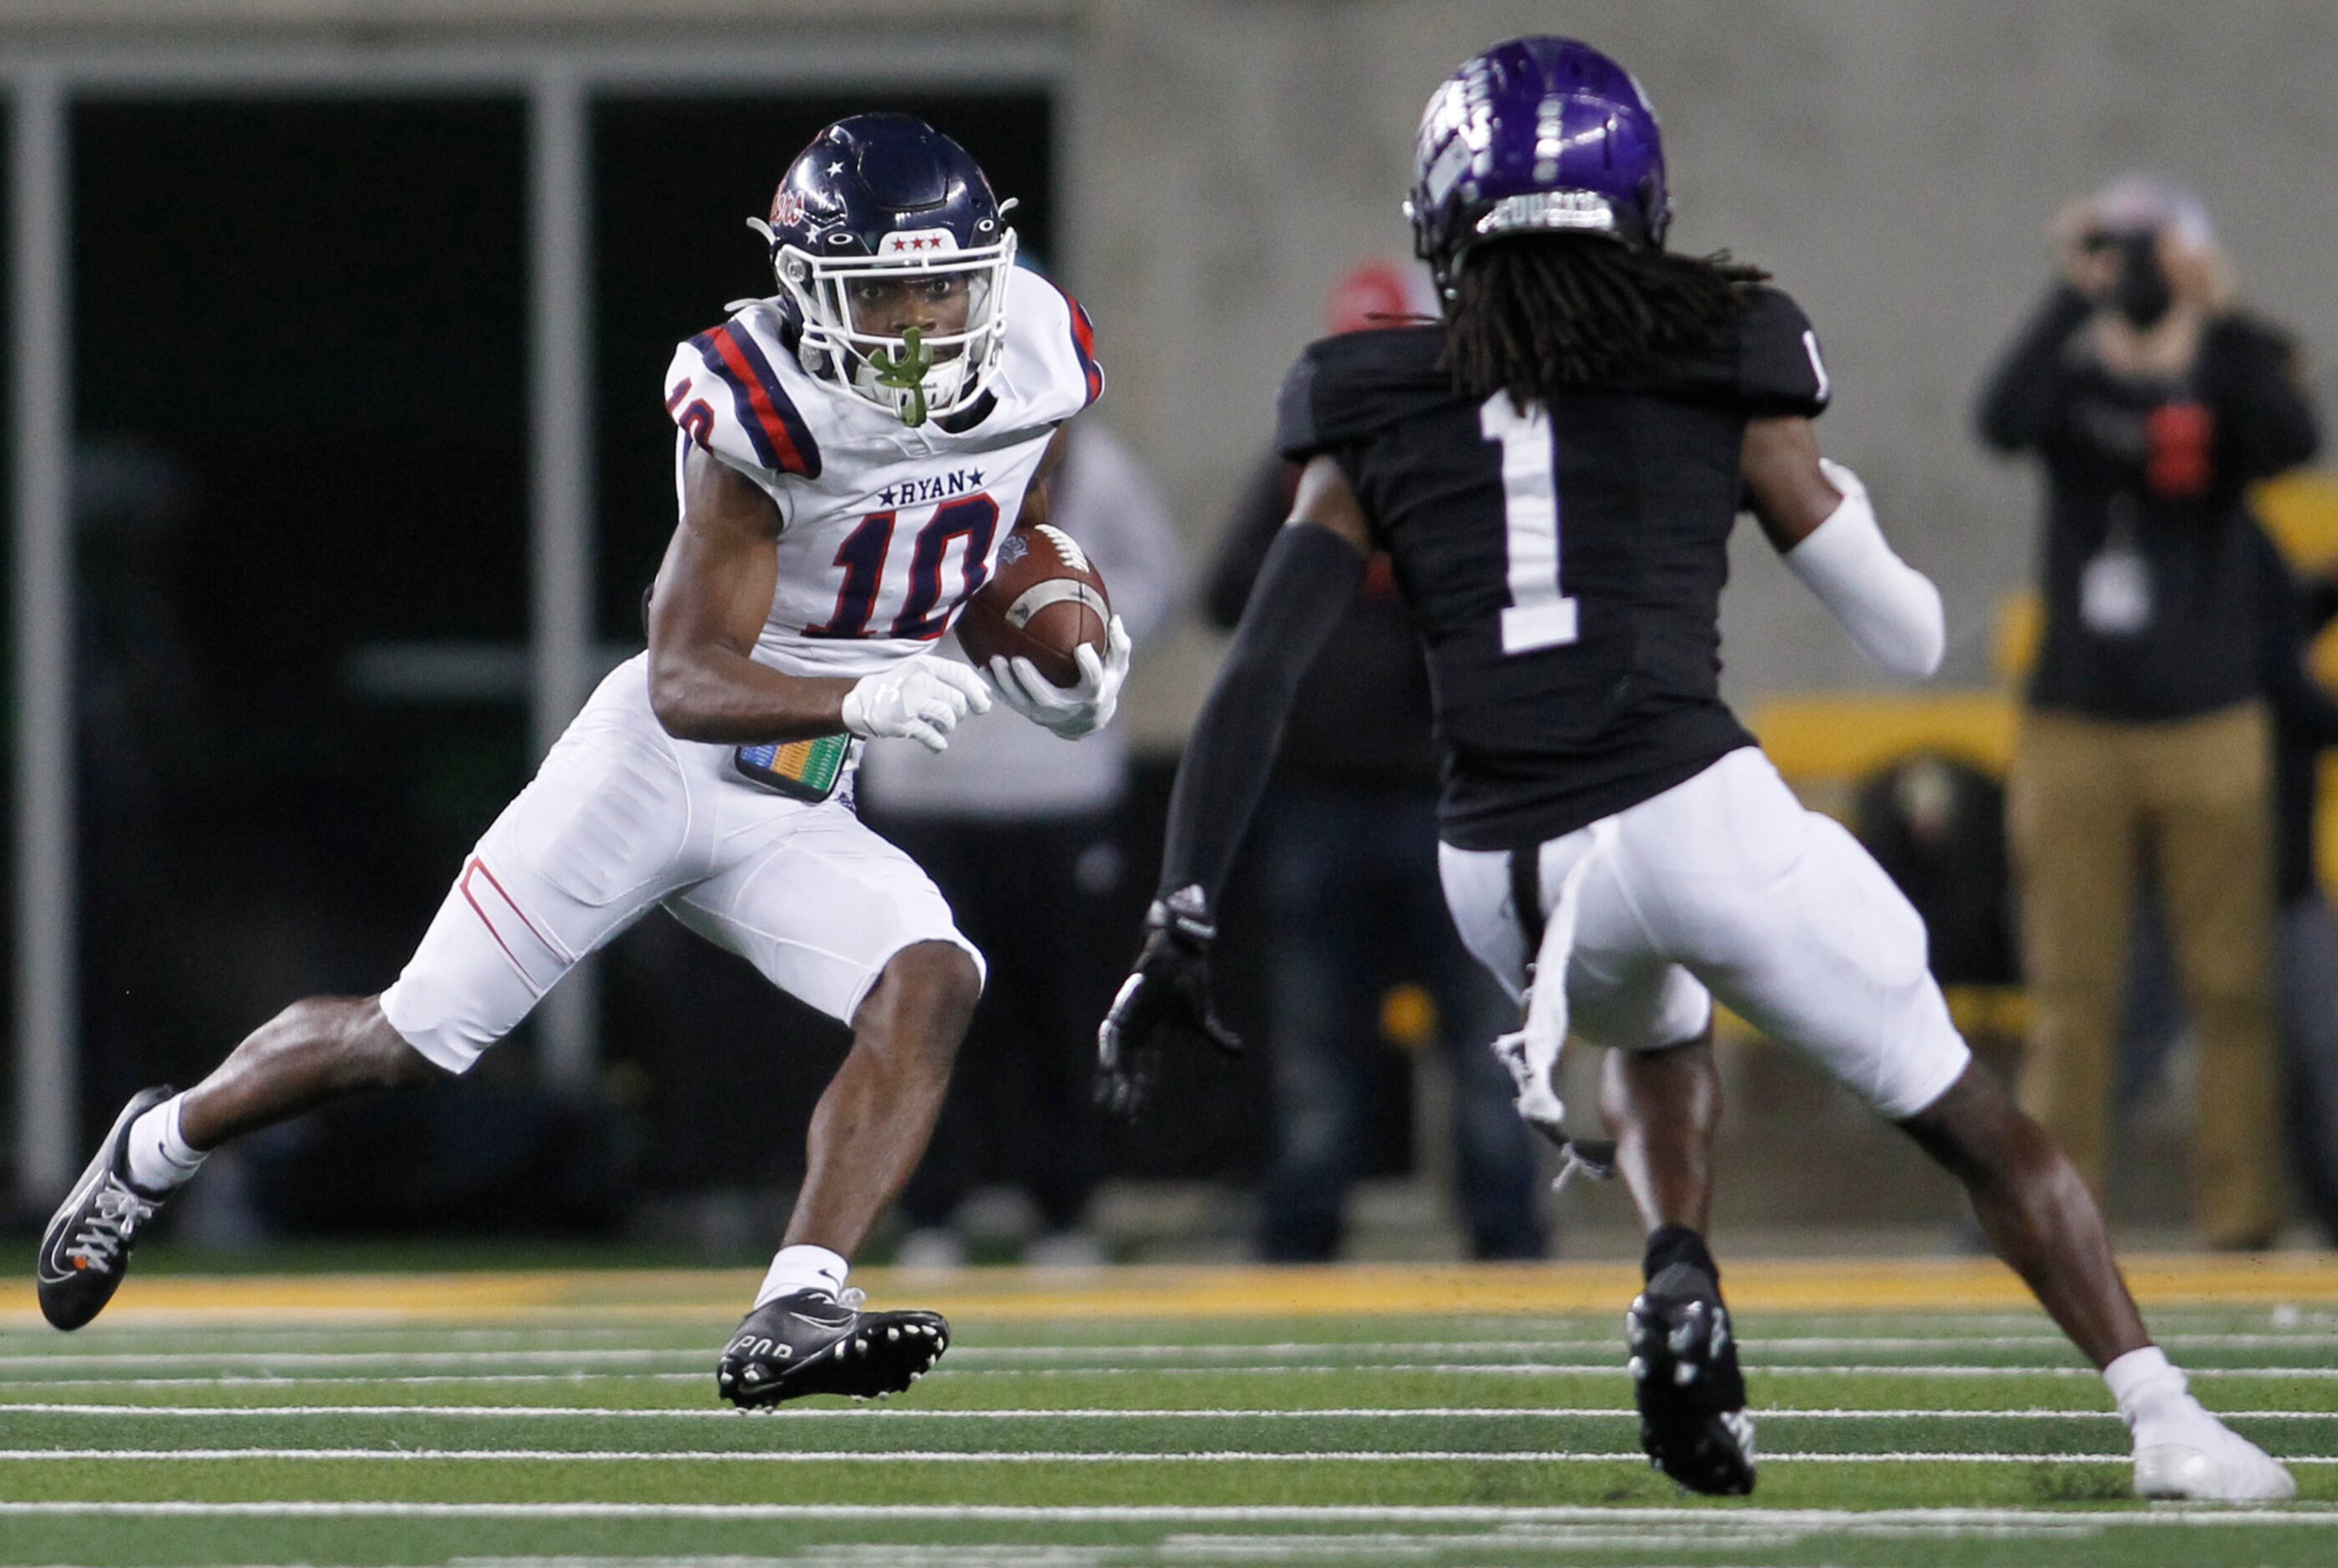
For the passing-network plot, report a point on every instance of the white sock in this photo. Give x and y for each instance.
(797, 1268)
(2151, 1392)
(160, 1156)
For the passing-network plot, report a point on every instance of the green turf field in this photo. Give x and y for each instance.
(1464, 1438)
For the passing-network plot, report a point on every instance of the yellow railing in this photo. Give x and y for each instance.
(1825, 742)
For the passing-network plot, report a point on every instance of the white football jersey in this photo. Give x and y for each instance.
(890, 528)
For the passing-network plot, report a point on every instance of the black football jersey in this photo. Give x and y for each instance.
(1564, 564)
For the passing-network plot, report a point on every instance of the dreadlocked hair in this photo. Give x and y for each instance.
(1532, 315)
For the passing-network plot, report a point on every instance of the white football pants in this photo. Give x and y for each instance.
(1724, 887)
(622, 817)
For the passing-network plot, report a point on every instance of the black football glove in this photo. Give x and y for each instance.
(1166, 997)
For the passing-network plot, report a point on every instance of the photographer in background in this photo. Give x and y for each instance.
(2152, 403)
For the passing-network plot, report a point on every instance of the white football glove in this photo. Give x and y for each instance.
(922, 697)
(1070, 712)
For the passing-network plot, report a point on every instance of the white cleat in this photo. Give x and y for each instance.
(2222, 1467)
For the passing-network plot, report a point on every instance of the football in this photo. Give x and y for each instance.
(1045, 600)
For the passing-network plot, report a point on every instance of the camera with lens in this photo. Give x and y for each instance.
(2139, 290)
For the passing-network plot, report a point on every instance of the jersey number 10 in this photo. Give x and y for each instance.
(1539, 615)
(970, 520)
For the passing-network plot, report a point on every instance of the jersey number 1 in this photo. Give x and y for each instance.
(1539, 614)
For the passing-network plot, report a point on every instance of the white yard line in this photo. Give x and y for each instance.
(1754, 1366)
(894, 1413)
(377, 1380)
(1045, 1457)
(1506, 1324)
(215, 1335)
(262, 1379)
(1836, 1344)
(2308, 1515)
(1016, 1355)
(343, 1358)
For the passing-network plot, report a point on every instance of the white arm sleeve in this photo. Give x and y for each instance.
(1891, 609)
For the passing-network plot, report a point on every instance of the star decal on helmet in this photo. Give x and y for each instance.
(914, 241)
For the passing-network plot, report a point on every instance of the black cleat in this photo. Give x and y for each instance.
(1684, 1377)
(810, 1342)
(86, 1250)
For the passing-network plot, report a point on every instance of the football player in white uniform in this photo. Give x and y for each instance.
(850, 455)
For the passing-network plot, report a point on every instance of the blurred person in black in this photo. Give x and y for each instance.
(2298, 607)
(2305, 724)
(1347, 858)
(1023, 835)
(2153, 402)
(2153, 1022)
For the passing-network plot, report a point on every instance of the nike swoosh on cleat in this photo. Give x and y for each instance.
(90, 1179)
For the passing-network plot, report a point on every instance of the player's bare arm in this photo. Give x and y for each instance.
(1039, 500)
(1785, 485)
(1326, 500)
(1817, 516)
(713, 592)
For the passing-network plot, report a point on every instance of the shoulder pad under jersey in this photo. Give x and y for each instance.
(1049, 371)
(1780, 370)
(1344, 387)
(724, 388)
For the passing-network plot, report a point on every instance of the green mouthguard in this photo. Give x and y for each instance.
(906, 372)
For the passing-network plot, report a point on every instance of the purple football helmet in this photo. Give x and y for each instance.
(1537, 134)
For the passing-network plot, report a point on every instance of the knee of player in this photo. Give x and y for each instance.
(374, 1053)
(1975, 1128)
(923, 1001)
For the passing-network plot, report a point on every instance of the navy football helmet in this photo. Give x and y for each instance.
(1537, 134)
(883, 200)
